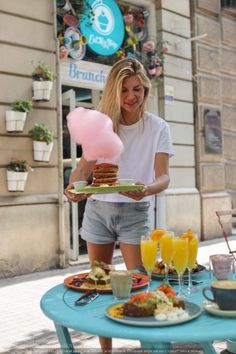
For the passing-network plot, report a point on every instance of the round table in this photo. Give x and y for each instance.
(58, 305)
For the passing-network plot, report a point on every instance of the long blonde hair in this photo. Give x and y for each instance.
(110, 101)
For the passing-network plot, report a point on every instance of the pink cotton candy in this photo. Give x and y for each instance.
(94, 131)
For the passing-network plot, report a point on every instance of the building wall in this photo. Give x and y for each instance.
(214, 71)
(182, 198)
(29, 220)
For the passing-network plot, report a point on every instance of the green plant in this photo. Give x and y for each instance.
(17, 165)
(42, 73)
(22, 106)
(40, 132)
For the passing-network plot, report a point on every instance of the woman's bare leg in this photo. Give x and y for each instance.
(102, 252)
(131, 254)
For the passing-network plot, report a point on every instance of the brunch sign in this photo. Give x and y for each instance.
(106, 34)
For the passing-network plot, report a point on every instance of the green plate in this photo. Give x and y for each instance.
(108, 189)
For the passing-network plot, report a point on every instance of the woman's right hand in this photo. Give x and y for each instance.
(76, 198)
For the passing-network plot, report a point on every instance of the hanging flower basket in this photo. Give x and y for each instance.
(16, 117)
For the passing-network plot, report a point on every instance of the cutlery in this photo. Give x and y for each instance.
(86, 298)
(185, 282)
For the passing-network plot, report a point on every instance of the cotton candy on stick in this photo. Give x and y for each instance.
(94, 131)
(106, 145)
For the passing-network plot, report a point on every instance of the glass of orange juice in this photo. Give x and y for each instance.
(148, 255)
(166, 249)
(180, 260)
(192, 256)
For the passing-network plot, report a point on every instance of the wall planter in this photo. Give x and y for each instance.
(16, 117)
(42, 142)
(42, 83)
(42, 150)
(17, 174)
(42, 90)
(16, 181)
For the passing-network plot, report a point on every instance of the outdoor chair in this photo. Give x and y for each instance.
(227, 221)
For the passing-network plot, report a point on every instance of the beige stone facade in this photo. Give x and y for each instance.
(33, 222)
(214, 89)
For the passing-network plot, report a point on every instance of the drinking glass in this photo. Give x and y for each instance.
(166, 249)
(180, 260)
(222, 266)
(192, 256)
(148, 255)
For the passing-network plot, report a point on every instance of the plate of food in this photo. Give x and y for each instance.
(159, 271)
(99, 278)
(90, 189)
(154, 309)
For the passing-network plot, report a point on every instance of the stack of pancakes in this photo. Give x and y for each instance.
(105, 174)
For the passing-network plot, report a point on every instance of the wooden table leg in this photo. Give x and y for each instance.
(64, 339)
(155, 348)
(208, 348)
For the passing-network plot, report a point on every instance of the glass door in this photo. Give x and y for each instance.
(72, 98)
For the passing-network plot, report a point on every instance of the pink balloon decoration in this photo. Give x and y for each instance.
(94, 131)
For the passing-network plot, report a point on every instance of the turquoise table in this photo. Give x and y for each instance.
(58, 305)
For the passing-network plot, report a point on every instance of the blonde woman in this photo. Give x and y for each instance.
(123, 217)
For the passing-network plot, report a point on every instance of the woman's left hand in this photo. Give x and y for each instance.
(136, 195)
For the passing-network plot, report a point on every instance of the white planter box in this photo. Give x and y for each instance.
(16, 181)
(42, 90)
(15, 121)
(42, 150)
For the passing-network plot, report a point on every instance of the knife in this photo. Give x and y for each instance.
(87, 297)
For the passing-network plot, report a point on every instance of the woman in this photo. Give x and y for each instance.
(123, 217)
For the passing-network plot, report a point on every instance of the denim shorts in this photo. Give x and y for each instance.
(107, 222)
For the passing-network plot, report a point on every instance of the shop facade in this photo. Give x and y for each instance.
(39, 228)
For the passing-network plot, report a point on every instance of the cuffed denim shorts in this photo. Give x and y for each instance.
(107, 222)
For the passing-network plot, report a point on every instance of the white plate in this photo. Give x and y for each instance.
(192, 309)
(213, 309)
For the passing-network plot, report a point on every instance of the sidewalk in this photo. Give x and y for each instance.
(24, 329)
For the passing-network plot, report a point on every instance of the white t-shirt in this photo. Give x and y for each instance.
(142, 141)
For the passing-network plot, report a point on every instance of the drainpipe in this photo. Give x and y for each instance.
(61, 198)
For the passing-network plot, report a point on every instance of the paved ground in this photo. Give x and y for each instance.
(24, 329)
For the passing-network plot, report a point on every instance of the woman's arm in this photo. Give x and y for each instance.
(162, 180)
(81, 173)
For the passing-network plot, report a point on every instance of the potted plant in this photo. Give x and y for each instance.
(42, 82)
(17, 173)
(42, 141)
(16, 116)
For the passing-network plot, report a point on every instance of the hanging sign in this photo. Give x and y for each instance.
(105, 31)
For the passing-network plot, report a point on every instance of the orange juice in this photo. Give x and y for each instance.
(180, 256)
(192, 251)
(148, 254)
(166, 247)
(156, 234)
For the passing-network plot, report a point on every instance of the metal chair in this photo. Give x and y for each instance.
(227, 221)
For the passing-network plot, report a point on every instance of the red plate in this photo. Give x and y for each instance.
(76, 282)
